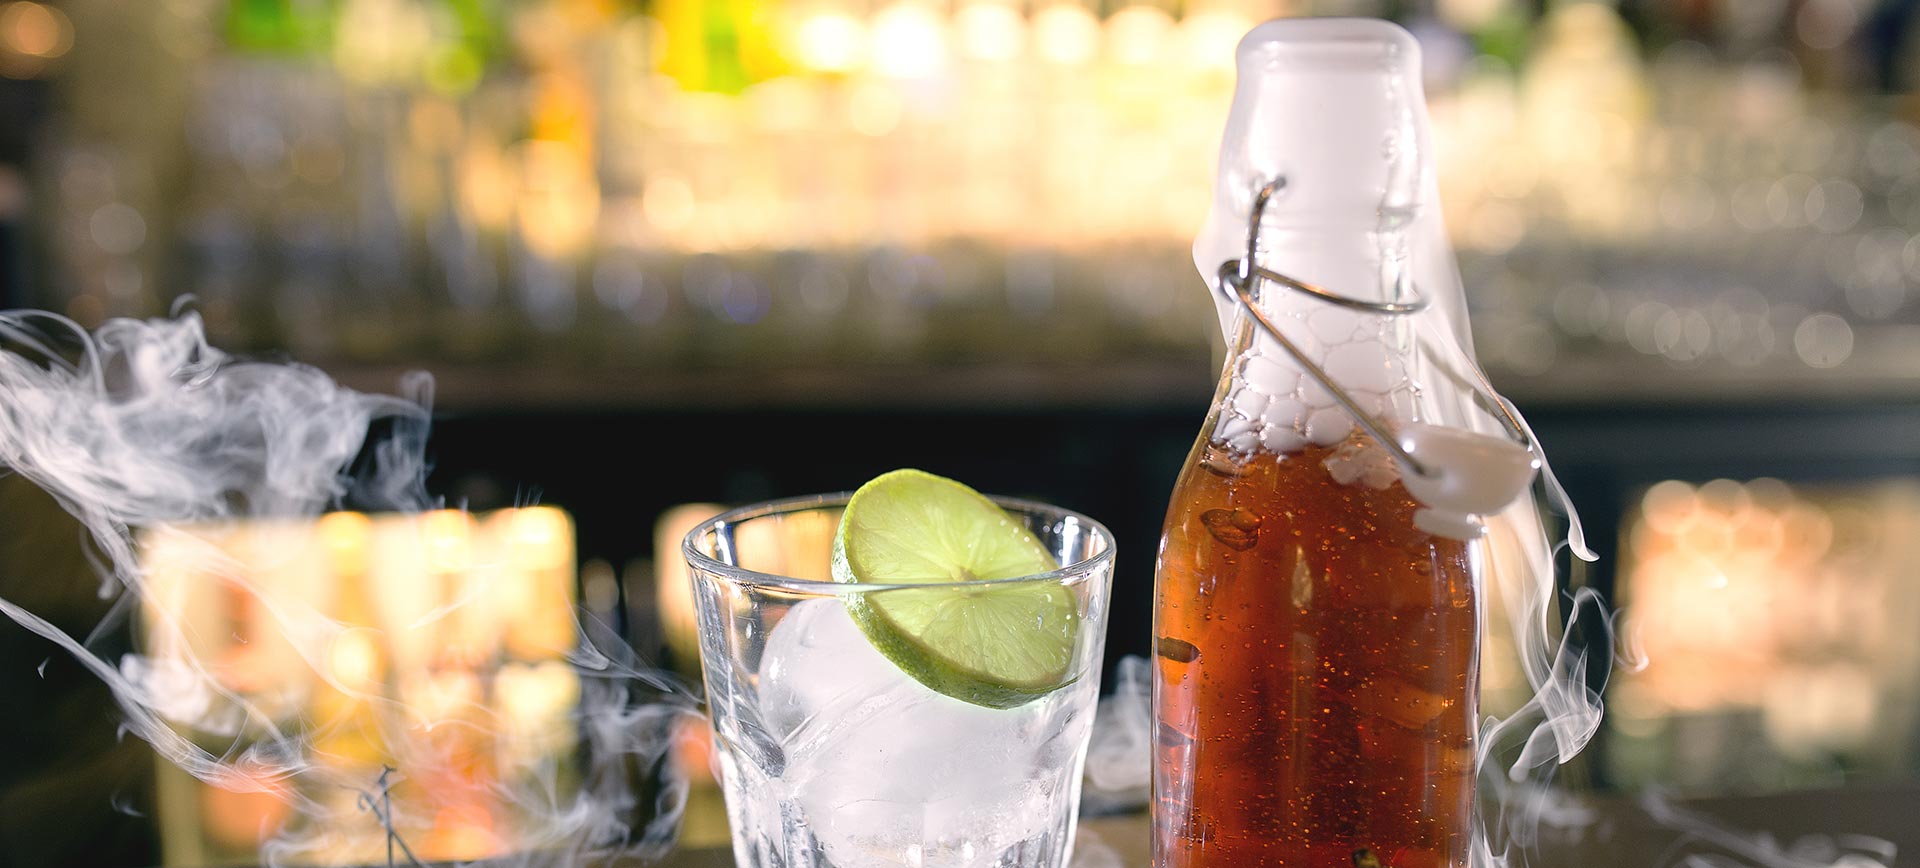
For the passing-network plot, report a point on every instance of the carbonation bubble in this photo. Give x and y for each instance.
(1281, 437)
(1329, 426)
(1287, 413)
(1269, 376)
(1250, 403)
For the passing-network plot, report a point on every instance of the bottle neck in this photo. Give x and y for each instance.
(1367, 262)
(1358, 264)
(1272, 400)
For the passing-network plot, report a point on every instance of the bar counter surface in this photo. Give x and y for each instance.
(1791, 830)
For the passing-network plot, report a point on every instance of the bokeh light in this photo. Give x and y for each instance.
(1775, 610)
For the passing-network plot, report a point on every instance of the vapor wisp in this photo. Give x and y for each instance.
(1567, 644)
(151, 437)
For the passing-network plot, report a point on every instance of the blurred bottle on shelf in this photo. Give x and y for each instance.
(574, 184)
(435, 644)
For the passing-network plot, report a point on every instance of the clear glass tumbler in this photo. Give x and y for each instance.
(831, 755)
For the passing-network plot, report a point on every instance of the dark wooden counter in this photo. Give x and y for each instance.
(1612, 833)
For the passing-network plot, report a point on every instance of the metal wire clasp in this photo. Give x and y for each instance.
(1239, 275)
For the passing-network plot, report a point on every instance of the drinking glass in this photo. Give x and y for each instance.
(831, 755)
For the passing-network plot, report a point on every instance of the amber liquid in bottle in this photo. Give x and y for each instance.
(1316, 672)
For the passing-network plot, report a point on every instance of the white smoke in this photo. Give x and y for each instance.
(1710, 844)
(1568, 644)
(1120, 752)
(150, 436)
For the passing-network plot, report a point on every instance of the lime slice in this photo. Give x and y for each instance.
(995, 644)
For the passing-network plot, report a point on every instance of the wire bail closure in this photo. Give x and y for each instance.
(1239, 276)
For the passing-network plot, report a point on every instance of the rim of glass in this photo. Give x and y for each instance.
(700, 561)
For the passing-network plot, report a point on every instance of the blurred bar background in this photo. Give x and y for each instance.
(584, 185)
(452, 664)
(664, 252)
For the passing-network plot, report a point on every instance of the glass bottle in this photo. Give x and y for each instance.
(1316, 622)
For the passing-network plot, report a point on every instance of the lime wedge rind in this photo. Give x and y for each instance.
(970, 609)
(929, 662)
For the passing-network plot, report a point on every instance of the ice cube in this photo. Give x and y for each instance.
(889, 772)
(1344, 471)
(1219, 458)
(1362, 460)
(1237, 529)
(817, 658)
